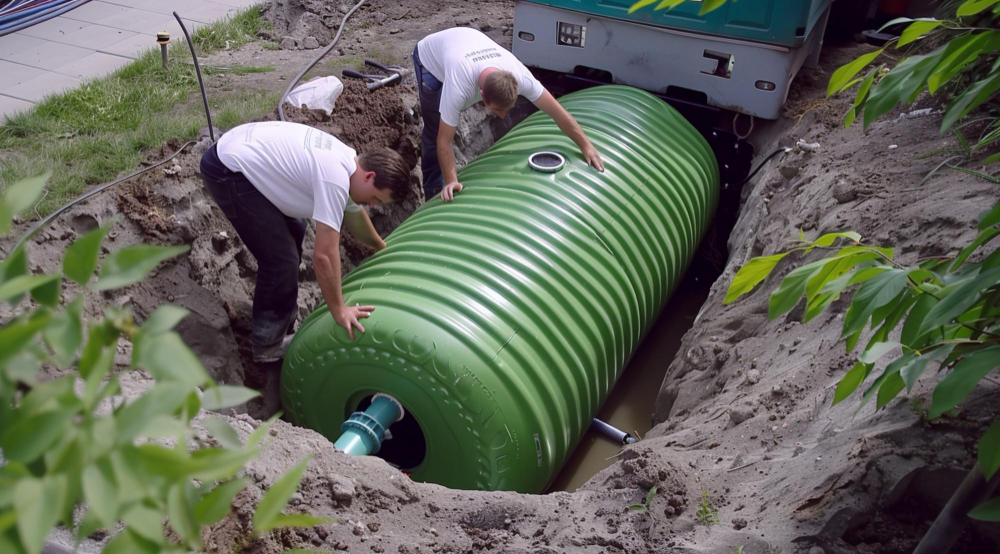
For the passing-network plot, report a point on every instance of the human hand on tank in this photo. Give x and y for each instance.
(347, 317)
(593, 157)
(449, 190)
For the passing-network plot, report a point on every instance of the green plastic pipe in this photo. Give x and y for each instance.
(505, 317)
(363, 431)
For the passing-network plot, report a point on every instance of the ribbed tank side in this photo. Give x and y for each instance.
(504, 318)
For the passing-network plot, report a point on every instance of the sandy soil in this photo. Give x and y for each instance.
(743, 415)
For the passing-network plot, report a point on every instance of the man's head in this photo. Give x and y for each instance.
(499, 92)
(382, 177)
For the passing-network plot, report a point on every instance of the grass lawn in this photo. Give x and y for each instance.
(101, 130)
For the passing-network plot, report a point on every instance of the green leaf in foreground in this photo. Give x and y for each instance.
(215, 505)
(845, 73)
(301, 520)
(851, 381)
(222, 431)
(19, 197)
(269, 508)
(38, 504)
(953, 389)
(972, 7)
(132, 263)
(80, 260)
(916, 30)
(752, 273)
(163, 319)
(710, 6)
(225, 396)
(987, 511)
(989, 451)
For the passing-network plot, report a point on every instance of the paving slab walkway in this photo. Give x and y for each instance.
(92, 41)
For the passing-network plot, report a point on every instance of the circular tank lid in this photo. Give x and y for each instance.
(546, 162)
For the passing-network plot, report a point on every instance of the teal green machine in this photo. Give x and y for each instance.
(742, 56)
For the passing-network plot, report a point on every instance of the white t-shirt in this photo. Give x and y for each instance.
(457, 56)
(303, 171)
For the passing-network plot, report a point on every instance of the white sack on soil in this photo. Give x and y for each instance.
(319, 94)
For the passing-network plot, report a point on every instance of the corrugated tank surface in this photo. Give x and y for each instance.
(504, 318)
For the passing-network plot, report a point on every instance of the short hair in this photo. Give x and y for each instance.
(500, 89)
(391, 172)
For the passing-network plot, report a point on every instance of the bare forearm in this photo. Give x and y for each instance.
(446, 159)
(360, 225)
(328, 274)
(568, 125)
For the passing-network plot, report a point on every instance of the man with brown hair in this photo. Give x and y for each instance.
(456, 68)
(267, 177)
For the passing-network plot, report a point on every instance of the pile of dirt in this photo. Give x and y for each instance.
(368, 120)
(750, 399)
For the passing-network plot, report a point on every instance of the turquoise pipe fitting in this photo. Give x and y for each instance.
(363, 431)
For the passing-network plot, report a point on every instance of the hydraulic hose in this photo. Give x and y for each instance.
(295, 81)
(197, 70)
(761, 165)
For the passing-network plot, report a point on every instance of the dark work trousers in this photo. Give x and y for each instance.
(430, 103)
(274, 239)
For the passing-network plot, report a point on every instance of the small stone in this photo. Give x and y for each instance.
(739, 523)
(843, 194)
(341, 488)
(395, 31)
(776, 390)
(295, 499)
(373, 527)
(288, 43)
(788, 171)
(507, 521)
(310, 43)
(753, 376)
(340, 546)
(434, 531)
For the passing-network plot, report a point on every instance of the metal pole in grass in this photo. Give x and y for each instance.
(163, 39)
(197, 69)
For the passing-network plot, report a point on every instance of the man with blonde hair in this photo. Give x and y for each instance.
(458, 67)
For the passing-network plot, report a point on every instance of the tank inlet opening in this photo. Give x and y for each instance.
(405, 446)
(546, 162)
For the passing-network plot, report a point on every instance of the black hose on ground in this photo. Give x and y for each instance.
(100, 188)
(197, 70)
(295, 81)
(761, 165)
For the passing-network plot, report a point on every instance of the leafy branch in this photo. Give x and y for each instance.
(70, 450)
(947, 312)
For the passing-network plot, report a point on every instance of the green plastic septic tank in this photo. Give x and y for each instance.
(503, 318)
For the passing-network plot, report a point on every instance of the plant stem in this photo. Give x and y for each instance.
(950, 523)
